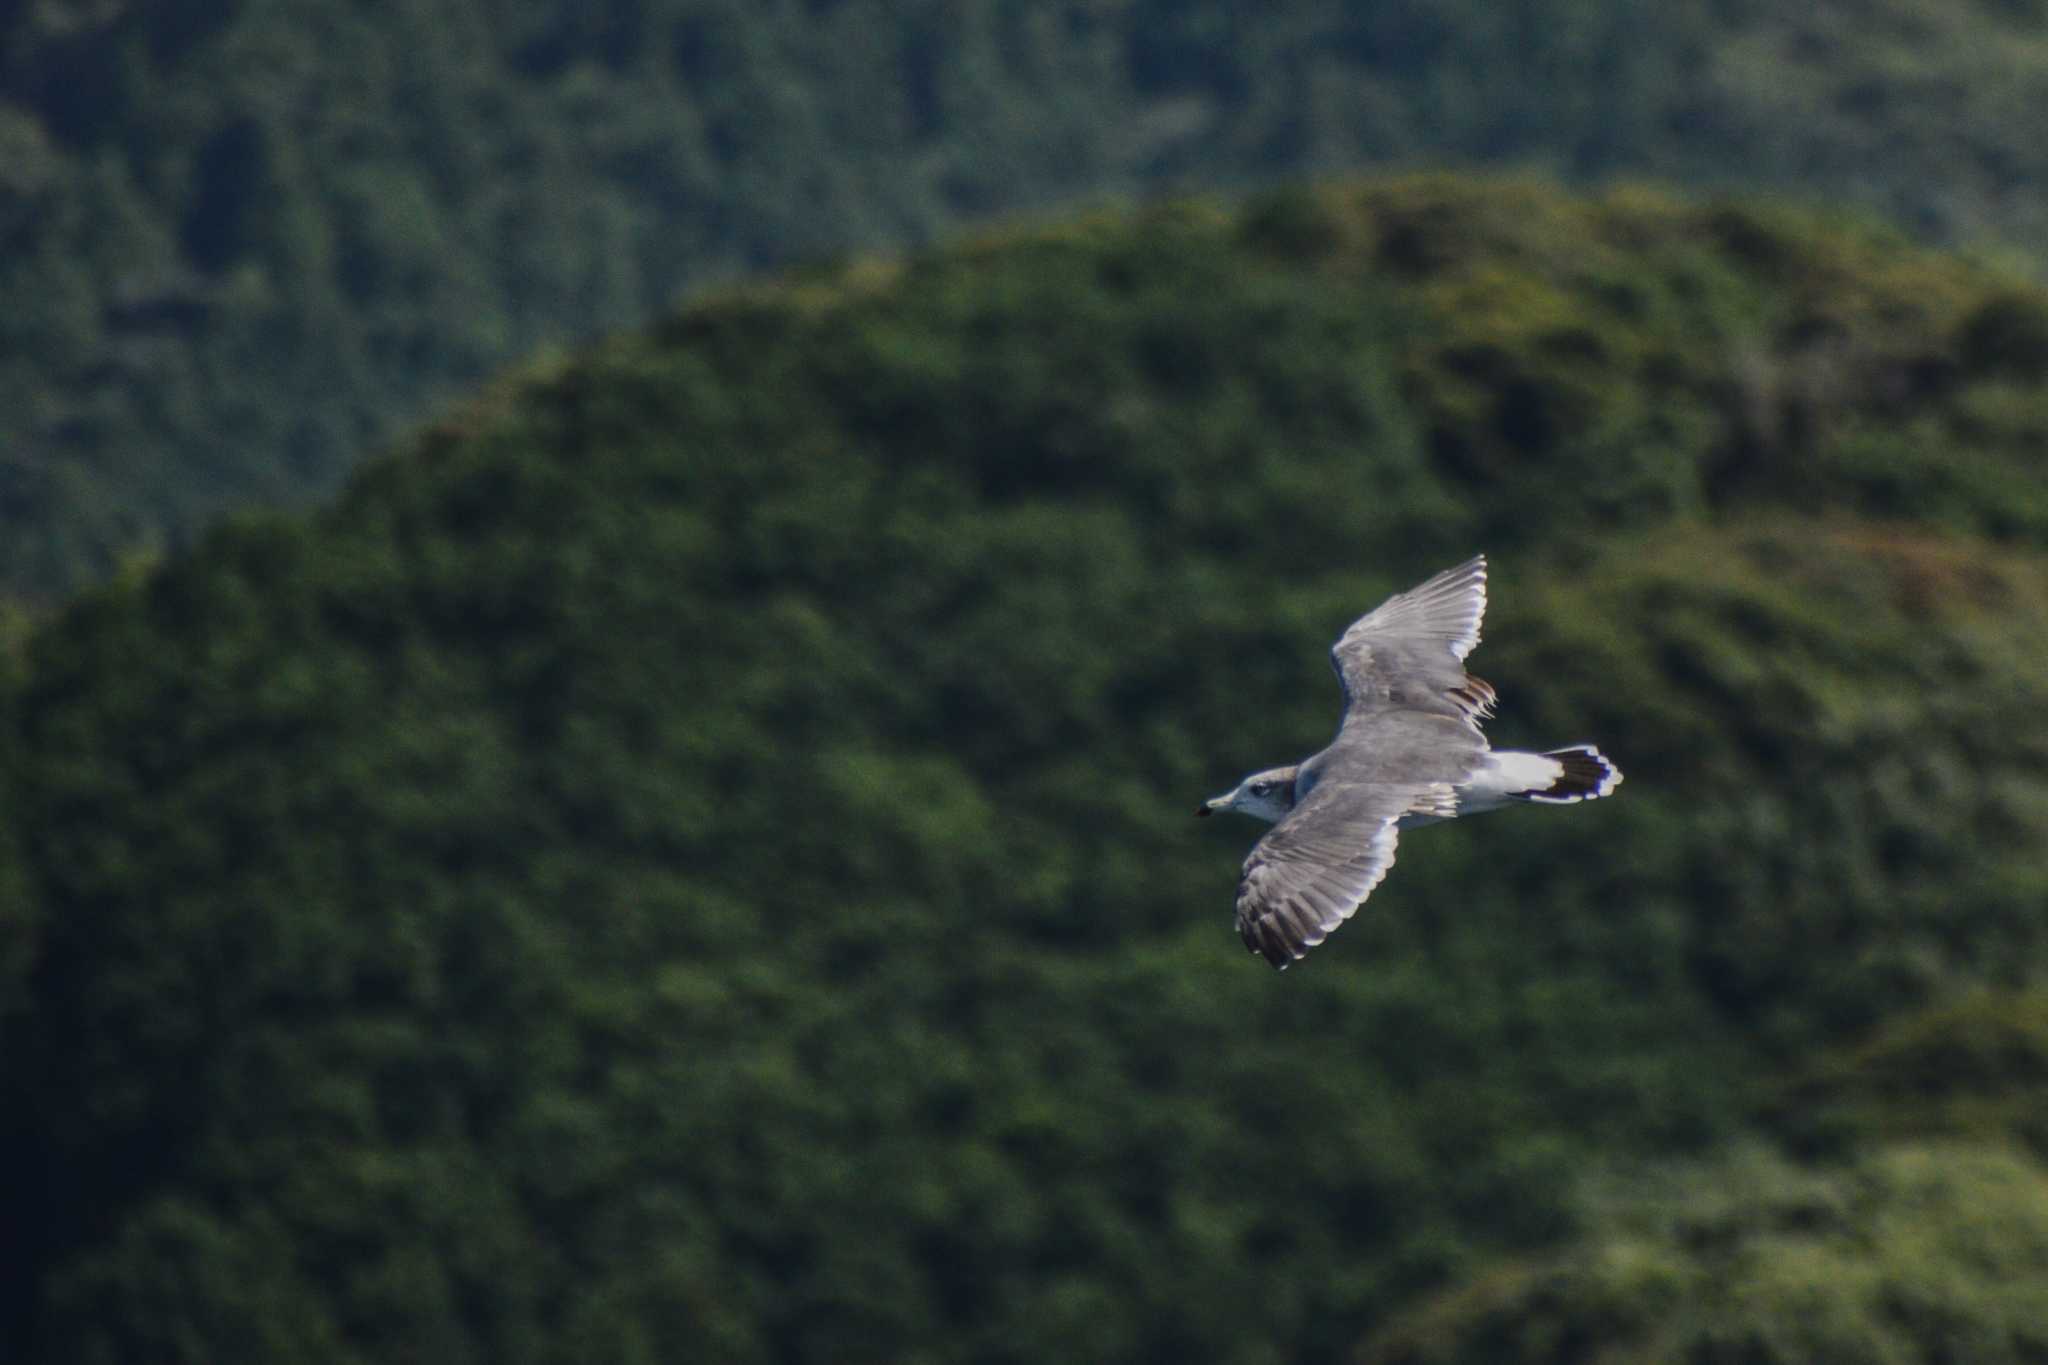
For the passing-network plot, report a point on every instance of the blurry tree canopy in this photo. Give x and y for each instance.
(1906, 1255)
(242, 245)
(689, 858)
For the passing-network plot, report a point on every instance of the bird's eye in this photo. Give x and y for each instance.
(1261, 788)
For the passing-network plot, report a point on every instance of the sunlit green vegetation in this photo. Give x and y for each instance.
(690, 858)
(244, 245)
(1907, 1254)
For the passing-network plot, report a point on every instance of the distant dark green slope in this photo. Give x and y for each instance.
(242, 246)
(691, 857)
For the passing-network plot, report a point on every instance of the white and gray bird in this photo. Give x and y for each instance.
(1408, 752)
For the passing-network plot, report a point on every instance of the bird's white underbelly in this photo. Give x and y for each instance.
(1499, 778)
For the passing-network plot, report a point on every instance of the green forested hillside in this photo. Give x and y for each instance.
(689, 859)
(243, 245)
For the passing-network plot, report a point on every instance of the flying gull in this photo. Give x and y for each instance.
(1408, 752)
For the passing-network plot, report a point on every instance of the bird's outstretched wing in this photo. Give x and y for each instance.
(1409, 652)
(1318, 865)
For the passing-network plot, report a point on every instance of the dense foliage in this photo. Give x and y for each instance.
(243, 244)
(690, 859)
(1916, 1253)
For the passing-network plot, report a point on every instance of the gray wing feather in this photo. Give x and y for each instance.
(1314, 868)
(1408, 653)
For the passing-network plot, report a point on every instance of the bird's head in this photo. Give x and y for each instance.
(1266, 796)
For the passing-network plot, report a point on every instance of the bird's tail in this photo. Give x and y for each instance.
(1583, 774)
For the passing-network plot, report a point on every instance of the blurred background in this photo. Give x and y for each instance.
(610, 615)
